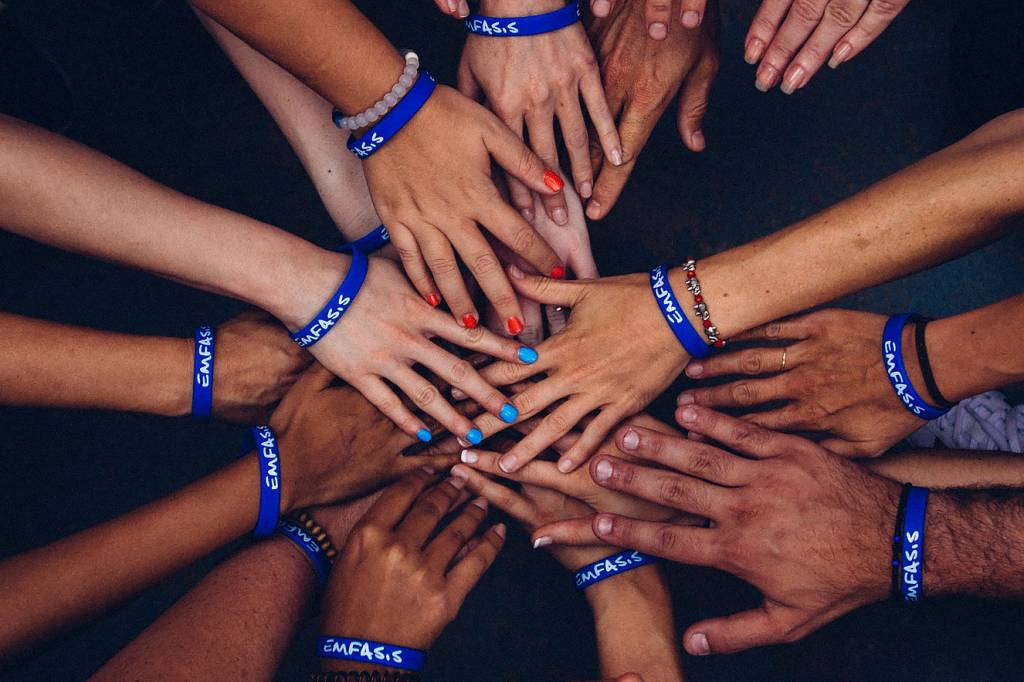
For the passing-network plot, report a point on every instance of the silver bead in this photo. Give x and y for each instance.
(405, 80)
(351, 124)
(372, 116)
(380, 108)
(360, 120)
(400, 90)
(390, 100)
(701, 308)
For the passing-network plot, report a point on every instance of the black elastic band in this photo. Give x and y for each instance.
(897, 543)
(926, 365)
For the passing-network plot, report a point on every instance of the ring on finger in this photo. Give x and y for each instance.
(782, 368)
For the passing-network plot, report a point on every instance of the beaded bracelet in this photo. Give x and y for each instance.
(386, 103)
(305, 519)
(700, 307)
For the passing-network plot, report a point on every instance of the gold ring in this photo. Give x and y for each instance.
(783, 367)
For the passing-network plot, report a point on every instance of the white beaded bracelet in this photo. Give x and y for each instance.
(386, 103)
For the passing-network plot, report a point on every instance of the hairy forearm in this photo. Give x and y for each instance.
(951, 468)
(48, 364)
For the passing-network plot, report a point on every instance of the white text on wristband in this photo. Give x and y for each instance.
(366, 651)
(610, 566)
(270, 480)
(202, 374)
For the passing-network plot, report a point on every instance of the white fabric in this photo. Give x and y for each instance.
(982, 422)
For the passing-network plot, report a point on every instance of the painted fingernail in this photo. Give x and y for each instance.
(616, 156)
(480, 502)
(499, 530)
(691, 19)
(558, 272)
(699, 644)
(560, 216)
(458, 482)
(697, 140)
(469, 457)
(434, 300)
(542, 541)
(586, 189)
(604, 525)
(657, 30)
(514, 324)
(527, 355)
(515, 272)
(840, 55)
(424, 435)
(755, 48)
(689, 415)
(630, 440)
(766, 76)
(474, 436)
(565, 465)
(694, 369)
(507, 463)
(794, 80)
(593, 210)
(553, 182)
(508, 413)
(685, 399)
(527, 214)
(470, 321)
(603, 470)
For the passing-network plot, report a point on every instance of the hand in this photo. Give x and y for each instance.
(836, 30)
(529, 81)
(456, 8)
(640, 79)
(256, 363)
(432, 184)
(395, 580)
(812, 531)
(338, 520)
(658, 14)
(334, 445)
(834, 381)
(616, 355)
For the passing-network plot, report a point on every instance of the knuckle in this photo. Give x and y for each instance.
(556, 423)
(504, 301)
(887, 7)
(460, 371)
(511, 372)
(485, 264)
(809, 11)
(524, 404)
(524, 239)
(407, 255)
(458, 535)
(773, 330)
(751, 362)
(475, 335)
(587, 62)
(576, 137)
(763, 26)
(665, 539)
(539, 92)
(744, 394)
(842, 13)
(703, 464)
(425, 395)
(749, 434)
(431, 508)
(442, 265)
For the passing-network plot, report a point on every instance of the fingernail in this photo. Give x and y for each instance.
(458, 394)
(474, 436)
(593, 210)
(565, 465)
(434, 300)
(470, 321)
(508, 413)
(603, 470)
(699, 644)
(507, 463)
(765, 77)
(694, 369)
(840, 55)
(429, 469)
(560, 216)
(601, 8)
(527, 214)
(514, 324)
(794, 80)
(463, 9)
(586, 189)
(458, 482)
(558, 272)
(630, 440)
(461, 442)
(685, 399)
(657, 30)
(499, 530)
(469, 457)
(453, 6)
(689, 415)
(480, 502)
(460, 473)
(616, 156)
(553, 182)
(604, 525)
(424, 435)
(691, 19)
(515, 272)
(697, 139)
(754, 51)
(527, 355)
(542, 541)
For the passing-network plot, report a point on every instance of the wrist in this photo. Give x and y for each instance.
(174, 385)
(986, 366)
(611, 598)
(515, 8)
(307, 286)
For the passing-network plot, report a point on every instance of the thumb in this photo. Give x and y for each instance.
(567, 532)
(693, 103)
(545, 289)
(512, 154)
(733, 633)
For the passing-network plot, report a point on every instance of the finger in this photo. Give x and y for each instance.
(385, 400)
(840, 16)
(875, 19)
(553, 291)
(685, 544)
(528, 403)
(593, 435)
(691, 13)
(666, 488)
(499, 496)
(482, 262)
(657, 17)
(693, 102)
(440, 258)
(533, 322)
(801, 20)
(477, 338)
(396, 499)
(574, 134)
(442, 461)
(573, 532)
(786, 418)
(505, 373)
(428, 511)
(512, 154)
(427, 398)
(467, 572)
(537, 472)
(736, 434)
(541, 126)
(521, 237)
(554, 425)
(601, 116)
(751, 362)
(733, 633)
(763, 27)
(745, 393)
(557, 318)
(519, 194)
(461, 374)
(635, 128)
(685, 456)
(453, 537)
(412, 261)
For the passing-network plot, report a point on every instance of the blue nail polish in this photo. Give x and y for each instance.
(474, 436)
(508, 413)
(424, 435)
(527, 355)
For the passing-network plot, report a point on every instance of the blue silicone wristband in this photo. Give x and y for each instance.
(376, 653)
(325, 320)
(911, 568)
(892, 358)
(393, 121)
(615, 564)
(270, 480)
(308, 544)
(515, 27)
(202, 377)
(688, 337)
(371, 242)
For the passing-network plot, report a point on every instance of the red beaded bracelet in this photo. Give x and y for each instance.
(700, 307)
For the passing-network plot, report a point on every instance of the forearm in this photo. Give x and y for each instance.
(951, 468)
(55, 587)
(634, 624)
(240, 618)
(48, 364)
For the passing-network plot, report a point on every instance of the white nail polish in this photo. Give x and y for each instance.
(542, 541)
(469, 457)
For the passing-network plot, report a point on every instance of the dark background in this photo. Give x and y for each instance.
(143, 83)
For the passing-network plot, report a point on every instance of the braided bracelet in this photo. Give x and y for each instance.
(387, 102)
(700, 307)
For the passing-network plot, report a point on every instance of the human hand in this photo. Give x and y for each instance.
(658, 14)
(401, 560)
(456, 8)
(256, 363)
(529, 81)
(433, 215)
(833, 382)
(812, 531)
(795, 37)
(338, 520)
(640, 79)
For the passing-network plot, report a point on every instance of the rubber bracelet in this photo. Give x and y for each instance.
(911, 568)
(921, 324)
(202, 378)
(371, 242)
(504, 27)
(688, 337)
(377, 136)
(610, 566)
(892, 358)
(308, 544)
(270, 480)
(325, 320)
(376, 653)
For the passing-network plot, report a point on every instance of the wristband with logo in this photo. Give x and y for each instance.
(325, 320)
(386, 128)
(892, 358)
(308, 544)
(270, 480)
(375, 653)
(615, 564)
(688, 337)
(910, 540)
(372, 241)
(202, 377)
(504, 27)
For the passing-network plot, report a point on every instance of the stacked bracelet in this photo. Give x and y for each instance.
(908, 544)
(377, 136)
(615, 564)
(920, 323)
(374, 653)
(312, 540)
(687, 336)
(892, 359)
(202, 376)
(270, 480)
(481, 25)
(699, 306)
(331, 313)
(387, 102)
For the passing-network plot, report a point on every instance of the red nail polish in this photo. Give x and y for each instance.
(434, 300)
(470, 321)
(552, 180)
(515, 325)
(558, 272)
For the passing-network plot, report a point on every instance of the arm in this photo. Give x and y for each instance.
(952, 468)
